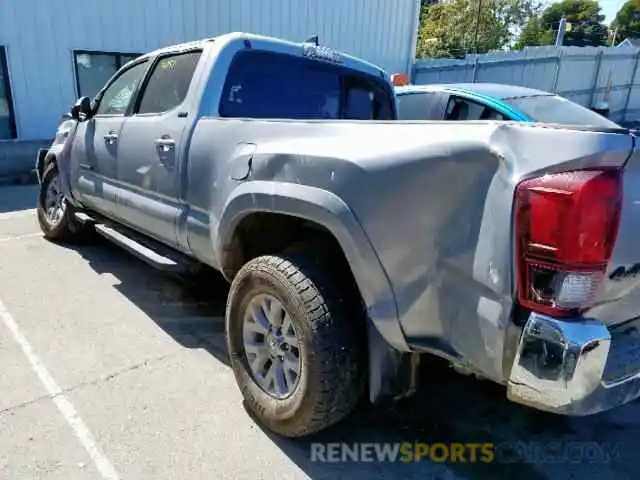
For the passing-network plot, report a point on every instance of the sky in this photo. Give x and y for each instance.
(609, 8)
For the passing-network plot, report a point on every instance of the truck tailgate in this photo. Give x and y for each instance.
(620, 299)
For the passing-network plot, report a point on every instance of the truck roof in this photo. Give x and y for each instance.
(495, 90)
(352, 61)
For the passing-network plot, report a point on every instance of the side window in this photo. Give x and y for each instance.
(169, 83)
(116, 97)
(460, 108)
(416, 106)
(491, 114)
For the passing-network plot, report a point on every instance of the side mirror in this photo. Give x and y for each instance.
(81, 110)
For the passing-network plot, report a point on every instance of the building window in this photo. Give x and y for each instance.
(94, 69)
(7, 120)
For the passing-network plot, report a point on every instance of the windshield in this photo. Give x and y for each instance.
(555, 109)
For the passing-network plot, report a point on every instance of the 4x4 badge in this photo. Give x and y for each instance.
(624, 272)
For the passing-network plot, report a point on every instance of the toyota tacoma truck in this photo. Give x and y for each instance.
(355, 243)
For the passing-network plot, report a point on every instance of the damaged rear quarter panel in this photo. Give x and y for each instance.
(429, 206)
(438, 211)
(434, 200)
(438, 208)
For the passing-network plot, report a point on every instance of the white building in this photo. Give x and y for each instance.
(52, 52)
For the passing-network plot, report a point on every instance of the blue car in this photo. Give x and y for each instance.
(490, 101)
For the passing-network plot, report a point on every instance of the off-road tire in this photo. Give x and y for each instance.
(68, 228)
(330, 338)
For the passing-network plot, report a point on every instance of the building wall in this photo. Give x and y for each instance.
(40, 36)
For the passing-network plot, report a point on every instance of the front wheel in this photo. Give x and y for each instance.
(295, 349)
(55, 215)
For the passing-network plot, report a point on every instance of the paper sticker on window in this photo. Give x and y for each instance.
(168, 64)
(233, 94)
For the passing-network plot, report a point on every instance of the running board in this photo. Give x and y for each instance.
(83, 218)
(149, 251)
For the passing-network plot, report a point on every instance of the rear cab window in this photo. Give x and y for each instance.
(269, 85)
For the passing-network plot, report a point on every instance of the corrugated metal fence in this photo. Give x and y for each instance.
(586, 75)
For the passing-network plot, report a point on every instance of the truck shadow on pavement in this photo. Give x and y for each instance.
(190, 310)
(448, 409)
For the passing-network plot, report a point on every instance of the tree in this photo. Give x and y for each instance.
(532, 34)
(584, 25)
(457, 27)
(627, 21)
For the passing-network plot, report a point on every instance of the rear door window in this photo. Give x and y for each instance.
(169, 82)
(271, 85)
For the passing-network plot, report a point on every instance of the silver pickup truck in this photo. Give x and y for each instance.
(356, 243)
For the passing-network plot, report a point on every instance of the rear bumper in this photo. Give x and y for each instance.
(575, 367)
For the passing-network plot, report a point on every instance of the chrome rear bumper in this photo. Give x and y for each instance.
(575, 367)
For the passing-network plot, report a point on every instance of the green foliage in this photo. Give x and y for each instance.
(584, 27)
(627, 21)
(457, 27)
(532, 34)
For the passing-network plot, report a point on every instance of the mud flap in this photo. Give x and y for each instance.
(42, 153)
(392, 373)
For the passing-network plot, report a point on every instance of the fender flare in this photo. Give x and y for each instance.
(330, 211)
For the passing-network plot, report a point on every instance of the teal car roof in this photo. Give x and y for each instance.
(495, 90)
(494, 95)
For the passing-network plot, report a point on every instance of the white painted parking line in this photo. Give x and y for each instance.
(65, 407)
(17, 214)
(20, 237)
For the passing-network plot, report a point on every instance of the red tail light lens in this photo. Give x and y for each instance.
(566, 226)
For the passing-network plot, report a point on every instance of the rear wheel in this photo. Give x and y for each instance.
(295, 349)
(55, 214)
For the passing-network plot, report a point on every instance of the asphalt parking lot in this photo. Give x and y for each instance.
(111, 370)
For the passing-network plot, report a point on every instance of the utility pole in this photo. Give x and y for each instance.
(475, 40)
(561, 29)
(613, 40)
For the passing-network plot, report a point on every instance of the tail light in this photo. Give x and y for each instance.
(566, 226)
(399, 79)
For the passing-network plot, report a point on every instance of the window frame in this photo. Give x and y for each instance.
(4, 69)
(99, 96)
(119, 63)
(139, 93)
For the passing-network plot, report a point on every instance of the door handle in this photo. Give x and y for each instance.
(111, 137)
(165, 144)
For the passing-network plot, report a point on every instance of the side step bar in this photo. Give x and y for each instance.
(148, 250)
